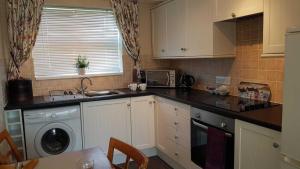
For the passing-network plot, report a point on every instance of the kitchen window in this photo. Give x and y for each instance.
(66, 33)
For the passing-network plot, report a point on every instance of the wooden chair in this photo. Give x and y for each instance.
(4, 159)
(30, 165)
(129, 151)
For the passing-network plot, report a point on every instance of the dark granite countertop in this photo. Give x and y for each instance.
(224, 105)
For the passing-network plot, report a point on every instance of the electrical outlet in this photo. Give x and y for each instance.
(225, 80)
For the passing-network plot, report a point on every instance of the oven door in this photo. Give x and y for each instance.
(158, 78)
(199, 145)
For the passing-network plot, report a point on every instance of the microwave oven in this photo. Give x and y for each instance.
(161, 78)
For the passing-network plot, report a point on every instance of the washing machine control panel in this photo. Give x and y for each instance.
(55, 114)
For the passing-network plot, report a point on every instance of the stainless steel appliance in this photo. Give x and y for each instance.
(201, 120)
(161, 78)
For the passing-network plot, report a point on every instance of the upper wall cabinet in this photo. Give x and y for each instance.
(229, 9)
(176, 29)
(185, 29)
(279, 15)
(159, 26)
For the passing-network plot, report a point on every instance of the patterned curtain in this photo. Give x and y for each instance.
(24, 17)
(126, 12)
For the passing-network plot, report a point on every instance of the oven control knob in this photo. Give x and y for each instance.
(223, 125)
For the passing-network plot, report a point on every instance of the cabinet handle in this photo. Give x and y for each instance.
(175, 109)
(176, 137)
(128, 105)
(233, 15)
(162, 50)
(175, 123)
(176, 154)
(183, 49)
(276, 145)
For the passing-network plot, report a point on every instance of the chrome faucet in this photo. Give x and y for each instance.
(82, 88)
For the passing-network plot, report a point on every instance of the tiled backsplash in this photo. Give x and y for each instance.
(247, 66)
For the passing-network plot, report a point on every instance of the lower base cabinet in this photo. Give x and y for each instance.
(142, 122)
(256, 147)
(130, 120)
(105, 119)
(173, 130)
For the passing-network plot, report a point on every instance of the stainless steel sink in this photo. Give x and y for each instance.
(102, 93)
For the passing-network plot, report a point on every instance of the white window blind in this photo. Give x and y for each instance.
(66, 33)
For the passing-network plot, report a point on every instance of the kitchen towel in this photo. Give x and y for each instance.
(216, 149)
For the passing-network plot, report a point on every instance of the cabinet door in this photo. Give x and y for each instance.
(176, 33)
(256, 147)
(163, 114)
(228, 9)
(142, 122)
(279, 15)
(224, 9)
(247, 7)
(199, 28)
(159, 32)
(105, 119)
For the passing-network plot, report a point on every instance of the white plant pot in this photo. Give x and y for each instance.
(81, 71)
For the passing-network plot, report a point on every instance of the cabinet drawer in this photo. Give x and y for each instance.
(180, 154)
(182, 111)
(170, 148)
(182, 125)
(184, 157)
(178, 137)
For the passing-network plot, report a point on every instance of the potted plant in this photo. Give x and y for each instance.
(82, 63)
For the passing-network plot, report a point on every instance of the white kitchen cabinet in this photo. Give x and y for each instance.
(279, 15)
(142, 122)
(159, 26)
(256, 147)
(173, 130)
(229, 9)
(105, 119)
(185, 29)
(176, 32)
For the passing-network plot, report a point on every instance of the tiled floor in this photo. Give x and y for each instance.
(154, 163)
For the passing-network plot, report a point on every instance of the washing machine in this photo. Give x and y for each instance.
(52, 131)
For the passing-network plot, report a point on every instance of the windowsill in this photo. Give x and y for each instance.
(77, 76)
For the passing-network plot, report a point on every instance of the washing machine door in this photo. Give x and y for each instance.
(54, 138)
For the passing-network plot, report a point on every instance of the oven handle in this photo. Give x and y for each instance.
(206, 128)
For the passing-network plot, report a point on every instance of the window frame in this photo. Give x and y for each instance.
(77, 76)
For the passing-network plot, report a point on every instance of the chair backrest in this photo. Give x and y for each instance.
(4, 159)
(129, 151)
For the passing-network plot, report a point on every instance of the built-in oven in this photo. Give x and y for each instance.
(201, 121)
